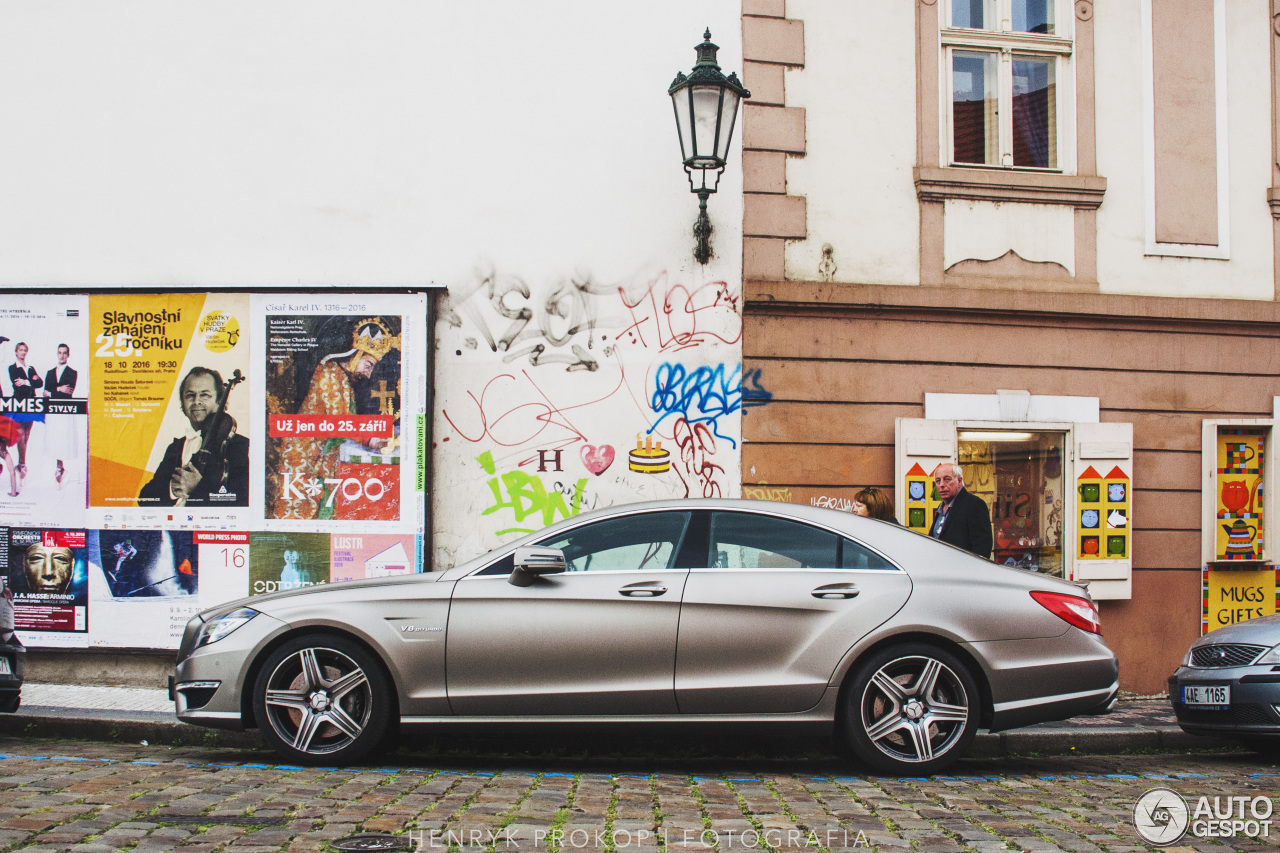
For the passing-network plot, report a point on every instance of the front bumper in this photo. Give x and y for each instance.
(210, 685)
(1255, 700)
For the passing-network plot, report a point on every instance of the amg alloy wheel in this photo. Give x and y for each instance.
(322, 699)
(911, 709)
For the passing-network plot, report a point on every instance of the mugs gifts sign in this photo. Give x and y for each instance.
(1240, 494)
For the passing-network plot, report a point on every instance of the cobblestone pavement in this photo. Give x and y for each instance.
(60, 795)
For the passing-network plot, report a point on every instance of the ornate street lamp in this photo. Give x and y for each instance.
(706, 105)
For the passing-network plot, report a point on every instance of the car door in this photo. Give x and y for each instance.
(764, 625)
(598, 639)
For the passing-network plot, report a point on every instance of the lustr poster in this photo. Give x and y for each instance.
(168, 445)
(44, 408)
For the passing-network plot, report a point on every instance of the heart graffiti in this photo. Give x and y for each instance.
(597, 459)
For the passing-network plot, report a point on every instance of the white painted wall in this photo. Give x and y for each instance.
(858, 87)
(1122, 264)
(539, 429)
(388, 142)
(400, 143)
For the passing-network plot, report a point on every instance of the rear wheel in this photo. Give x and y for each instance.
(322, 699)
(911, 709)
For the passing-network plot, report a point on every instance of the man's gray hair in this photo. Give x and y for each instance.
(956, 471)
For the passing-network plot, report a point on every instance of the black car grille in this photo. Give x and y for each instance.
(1242, 714)
(1225, 655)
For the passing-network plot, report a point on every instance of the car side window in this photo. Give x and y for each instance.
(855, 556)
(741, 540)
(645, 541)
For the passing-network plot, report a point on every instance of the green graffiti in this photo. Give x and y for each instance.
(524, 494)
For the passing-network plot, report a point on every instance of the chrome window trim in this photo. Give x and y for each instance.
(626, 511)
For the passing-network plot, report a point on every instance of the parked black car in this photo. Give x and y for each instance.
(1229, 684)
(12, 656)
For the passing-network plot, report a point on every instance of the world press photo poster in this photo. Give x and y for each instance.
(161, 453)
(143, 586)
(342, 396)
(44, 405)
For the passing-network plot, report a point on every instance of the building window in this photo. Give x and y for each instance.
(1005, 60)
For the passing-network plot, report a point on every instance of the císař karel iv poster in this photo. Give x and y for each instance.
(334, 443)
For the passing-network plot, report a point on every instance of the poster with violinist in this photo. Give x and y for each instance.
(168, 435)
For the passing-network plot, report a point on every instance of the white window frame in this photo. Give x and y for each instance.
(1005, 42)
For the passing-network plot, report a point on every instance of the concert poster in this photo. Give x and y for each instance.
(48, 573)
(142, 586)
(341, 377)
(169, 439)
(44, 405)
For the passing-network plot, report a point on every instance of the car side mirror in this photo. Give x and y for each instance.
(533, 560)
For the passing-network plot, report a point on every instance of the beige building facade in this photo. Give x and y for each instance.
(1037, 237)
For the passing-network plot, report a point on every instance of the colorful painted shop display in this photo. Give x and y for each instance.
(1102, 509)
(1241, 468)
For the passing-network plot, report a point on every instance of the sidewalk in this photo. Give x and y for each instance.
(133, 714)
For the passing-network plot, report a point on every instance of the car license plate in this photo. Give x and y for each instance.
(1217, 694)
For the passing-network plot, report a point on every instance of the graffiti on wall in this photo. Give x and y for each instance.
(574, 394)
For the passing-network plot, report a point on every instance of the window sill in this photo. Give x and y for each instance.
(935, 183)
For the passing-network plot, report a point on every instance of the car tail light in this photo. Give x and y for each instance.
(1071, 609)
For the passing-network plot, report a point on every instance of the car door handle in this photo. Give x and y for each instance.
(646, 589)
(836, 590)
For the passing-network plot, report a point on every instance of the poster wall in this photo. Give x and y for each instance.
(203, 448)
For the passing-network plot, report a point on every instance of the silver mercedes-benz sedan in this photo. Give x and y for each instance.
(667, 612)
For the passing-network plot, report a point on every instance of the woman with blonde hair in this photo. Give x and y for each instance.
(873, 503)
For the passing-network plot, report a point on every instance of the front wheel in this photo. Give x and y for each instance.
(911, 710)
(322, 699)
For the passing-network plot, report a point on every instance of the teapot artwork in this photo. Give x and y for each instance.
(1236, 494)
(1240, 536)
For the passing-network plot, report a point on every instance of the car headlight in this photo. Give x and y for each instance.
(216, 629)
(1186, 659)
(1272, 655)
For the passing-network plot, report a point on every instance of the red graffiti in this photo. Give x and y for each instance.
(684, 318)
(697, 444)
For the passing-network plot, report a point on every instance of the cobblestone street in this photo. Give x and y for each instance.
(60, 795)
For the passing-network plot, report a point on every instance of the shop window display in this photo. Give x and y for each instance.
(1020, 476)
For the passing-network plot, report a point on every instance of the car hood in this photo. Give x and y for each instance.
(1262, 631)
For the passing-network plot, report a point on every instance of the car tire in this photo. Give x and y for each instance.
(910, 709)
(322, 699)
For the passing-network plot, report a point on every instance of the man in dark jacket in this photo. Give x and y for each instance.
(177, 481)
(963, 519)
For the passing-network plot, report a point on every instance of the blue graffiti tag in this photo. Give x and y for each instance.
(753, 394)
(702, 396)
